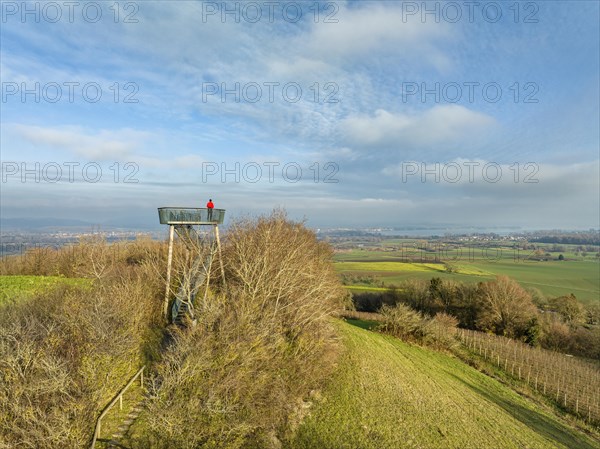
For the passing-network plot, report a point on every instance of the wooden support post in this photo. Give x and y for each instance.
(209, 269)
(220, 256)
(169, 262)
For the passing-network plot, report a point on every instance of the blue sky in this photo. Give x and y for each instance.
(467, 115)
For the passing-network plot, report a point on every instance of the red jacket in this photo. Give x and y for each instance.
(210, 205)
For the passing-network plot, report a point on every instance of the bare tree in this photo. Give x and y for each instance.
(506, 307)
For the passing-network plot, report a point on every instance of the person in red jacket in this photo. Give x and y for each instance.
(210, 206)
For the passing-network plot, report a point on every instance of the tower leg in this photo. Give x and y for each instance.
(220, 256)
(169, 261)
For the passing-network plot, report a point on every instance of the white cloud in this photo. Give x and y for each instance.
(364, 33)
(184, 162)
(100, 145)
(517, 182)
(442, 124)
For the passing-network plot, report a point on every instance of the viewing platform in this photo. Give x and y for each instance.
(190, 216)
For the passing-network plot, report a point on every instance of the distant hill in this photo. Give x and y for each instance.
(388, 395)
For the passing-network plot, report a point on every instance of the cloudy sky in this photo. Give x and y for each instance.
(346, 113)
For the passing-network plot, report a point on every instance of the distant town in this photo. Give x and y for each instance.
(17, 241)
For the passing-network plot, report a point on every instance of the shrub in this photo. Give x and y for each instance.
(403, 322)
(556, 335)
(569, 308)
(443, 329)
(408, 324)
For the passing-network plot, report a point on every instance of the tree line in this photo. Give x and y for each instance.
(502, 307)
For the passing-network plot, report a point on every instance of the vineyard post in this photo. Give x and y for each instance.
(545, 380)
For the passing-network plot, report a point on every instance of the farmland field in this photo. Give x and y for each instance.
(577, 275)
(388, 394)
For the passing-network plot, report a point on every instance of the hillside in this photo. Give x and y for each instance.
(388, 394)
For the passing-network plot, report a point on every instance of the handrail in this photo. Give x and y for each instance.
(190, 215)
(118, 397)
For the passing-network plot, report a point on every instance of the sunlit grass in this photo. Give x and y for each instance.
(387, 394)
(14, 288)
(402, 267)
(387, 266)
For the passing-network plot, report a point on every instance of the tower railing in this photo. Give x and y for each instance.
(190, 215)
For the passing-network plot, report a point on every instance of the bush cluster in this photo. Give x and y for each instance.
(404, 322)
(500, 306)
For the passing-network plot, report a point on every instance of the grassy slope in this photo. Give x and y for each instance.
(388, 394)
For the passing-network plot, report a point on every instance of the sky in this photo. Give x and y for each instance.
(345, 113)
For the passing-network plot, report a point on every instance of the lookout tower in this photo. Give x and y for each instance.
(191, 225)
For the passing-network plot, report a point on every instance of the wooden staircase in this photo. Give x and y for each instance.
(117, 436)
(116, 439)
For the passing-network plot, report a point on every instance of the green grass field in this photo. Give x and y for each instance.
(553, 278)
(387, 394)
(406, 266)
(15, 288)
